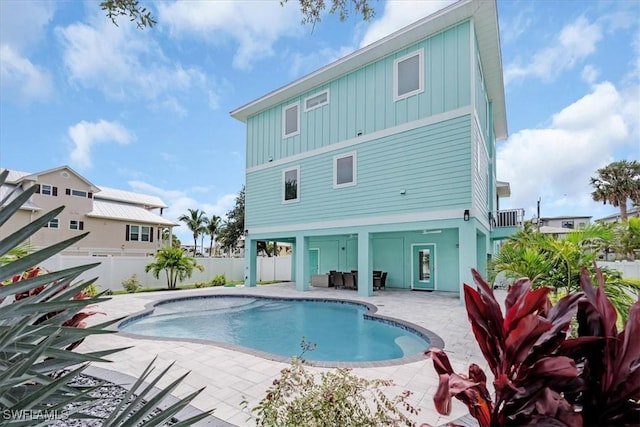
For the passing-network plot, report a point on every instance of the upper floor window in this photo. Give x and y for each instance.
(47, 190)
(567, 224)
(291, 120)
(408, 74)
(52, 223)
(139, 233)
(316, 101)
(76, 193)
(76, 225)
(344, 170)
(291, 185)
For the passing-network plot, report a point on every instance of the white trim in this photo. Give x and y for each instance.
(355, 222)
(354, 163)
(86, 193)
(77, 221)
(284, 173)
(326, 91)
(447, 115)
(420, 89)
(435, 270)
(50, 189)
(284, 120)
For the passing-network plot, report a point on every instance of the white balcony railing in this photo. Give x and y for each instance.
(507, 218)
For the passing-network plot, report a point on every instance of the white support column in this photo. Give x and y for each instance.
(302, 263)
(365, 265)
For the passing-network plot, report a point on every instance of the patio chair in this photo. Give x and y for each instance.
(337, 279)
(331, 274)
(380, 281)
(349, 281)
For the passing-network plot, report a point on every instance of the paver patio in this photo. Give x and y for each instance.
(231, 376)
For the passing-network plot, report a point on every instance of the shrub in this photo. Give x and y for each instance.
(540, 375)
(200, 284)
(219, 280)
(91, 290)
(334, 398)
(175, 263)
(132, 284)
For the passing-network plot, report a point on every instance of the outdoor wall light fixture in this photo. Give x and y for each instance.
(466, 215)
(403, 191)
(246, 232)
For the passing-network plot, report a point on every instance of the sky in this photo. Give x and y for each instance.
(148, 110)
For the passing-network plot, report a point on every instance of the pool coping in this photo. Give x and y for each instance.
(435, 341)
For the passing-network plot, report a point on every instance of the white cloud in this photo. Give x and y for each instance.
(124, 62)
(254, 26)
(179, 201)
(511, 30)
(575, 42)
(556, 162)
(303, 64)
(19, 77)
(85, 135)
(398, 14)
(590, 74)
(22, 23)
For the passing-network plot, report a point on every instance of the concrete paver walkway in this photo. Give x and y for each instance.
(231, 376)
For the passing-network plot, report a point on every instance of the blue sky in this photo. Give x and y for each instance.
(148, 111)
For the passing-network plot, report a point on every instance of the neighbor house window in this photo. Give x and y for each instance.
(46, 189)
(291, 120)
(76, 225)
(52, 224)
(316, 101)
(139, 233)
(291, 185)
(408, 74)
(344, 170)
(567, 224)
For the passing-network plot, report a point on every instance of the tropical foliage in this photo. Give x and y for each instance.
(195, 222)
(175, 263)
(557, 263)
(41, 322)
(233, 228)
(540, 376)
(211, 226)
(617, 183)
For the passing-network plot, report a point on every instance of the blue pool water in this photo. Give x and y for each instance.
(277, 326)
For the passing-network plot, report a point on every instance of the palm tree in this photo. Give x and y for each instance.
(616, 183)
(211, 228)
(175, 263)
(195, 222)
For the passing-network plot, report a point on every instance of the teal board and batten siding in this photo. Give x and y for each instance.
(432, 164)
(481, 175)
(391, 252)
(362, 100)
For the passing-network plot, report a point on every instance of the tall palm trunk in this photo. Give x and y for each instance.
(623, 210)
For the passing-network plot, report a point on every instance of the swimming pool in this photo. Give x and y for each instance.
(343, 331)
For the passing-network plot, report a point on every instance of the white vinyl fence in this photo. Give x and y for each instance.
(629, 269)
(114, 269)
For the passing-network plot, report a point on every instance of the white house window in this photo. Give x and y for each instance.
(291, 120)
(139, 233)
(291, 185)
(344, 170)
(408, 74)
(47, 190)
(52, 223)
(316, 101)
(567, 224)
(76, 225)
(78, 193)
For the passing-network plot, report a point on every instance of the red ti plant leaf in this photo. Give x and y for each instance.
(611, 363)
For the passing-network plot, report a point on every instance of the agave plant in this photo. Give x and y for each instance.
(37, 335)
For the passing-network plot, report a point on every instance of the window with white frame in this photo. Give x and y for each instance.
(291, 120)
(139, 233)
(344, 170)
(54, 223)
(315, 101)
(408, 75)
(291, 185)
(76, 225)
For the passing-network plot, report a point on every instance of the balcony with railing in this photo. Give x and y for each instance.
(505, 222)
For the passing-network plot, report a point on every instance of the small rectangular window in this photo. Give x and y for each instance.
(567, 224)
(344, 170)
(78, 193)
(52, 223)
(291, 120)
(76, 225)
(316, 101)
(144, 234)
(46, 189)
(408, 75)
(291, 185)
(134, 233)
